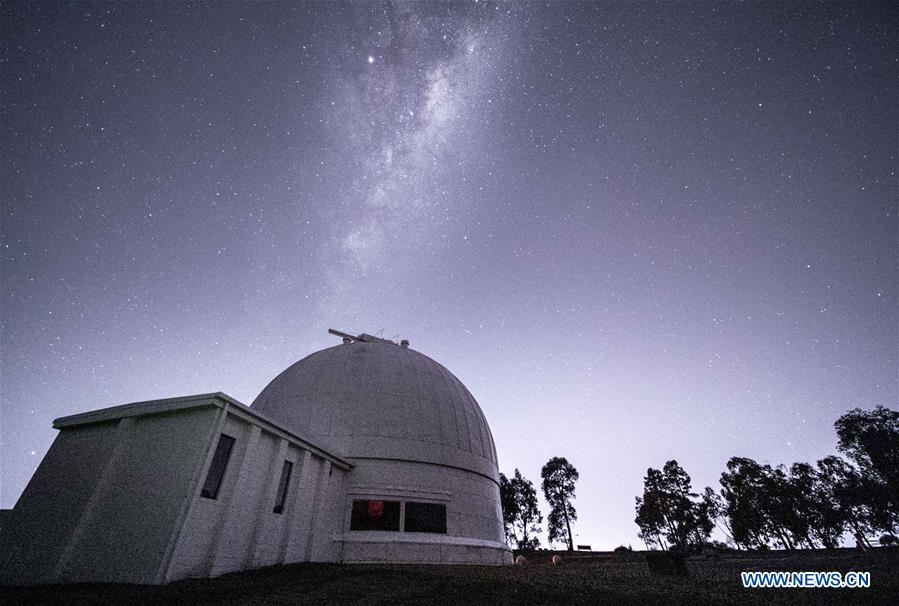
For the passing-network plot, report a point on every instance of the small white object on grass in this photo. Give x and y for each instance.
(521, 560)
(557, 560)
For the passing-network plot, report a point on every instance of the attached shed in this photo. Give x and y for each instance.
(161, 490)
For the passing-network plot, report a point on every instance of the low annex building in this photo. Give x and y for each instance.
(364, 452)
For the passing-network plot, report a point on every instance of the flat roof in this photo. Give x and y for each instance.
(217, 399)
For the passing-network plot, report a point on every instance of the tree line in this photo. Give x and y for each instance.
(804, 506)
(521, 513)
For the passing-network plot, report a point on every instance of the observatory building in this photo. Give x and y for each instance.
(364, 452)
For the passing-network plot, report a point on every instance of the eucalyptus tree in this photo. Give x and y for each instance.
(559, 477)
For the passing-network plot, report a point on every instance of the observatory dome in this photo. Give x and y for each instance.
(370, 398)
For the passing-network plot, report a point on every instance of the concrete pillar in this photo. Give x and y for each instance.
(317, 527)
(263, 510)
(171, 555)
(233, 499)
(299, 514)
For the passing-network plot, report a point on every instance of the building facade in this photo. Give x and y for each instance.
(363, 452)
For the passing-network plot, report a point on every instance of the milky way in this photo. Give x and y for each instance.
(406, 101)
(635, 231)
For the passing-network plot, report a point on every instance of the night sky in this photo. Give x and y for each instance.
(635, 231)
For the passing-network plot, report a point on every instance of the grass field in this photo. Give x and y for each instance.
(582, 578)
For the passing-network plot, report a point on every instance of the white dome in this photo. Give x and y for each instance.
(378, 400)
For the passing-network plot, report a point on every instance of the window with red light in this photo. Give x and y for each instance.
(375, 514)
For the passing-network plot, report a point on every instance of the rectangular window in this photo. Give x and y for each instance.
(282, 487)
(425, 517)
(375, 515)
(217, 468)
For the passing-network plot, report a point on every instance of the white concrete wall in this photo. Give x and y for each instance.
(474, 518)
(117, 498)
(51, 505)
(271, 528)
(104, 502)
(135, 515)
(472, 501)
(239, 530)
(295, 544)
(326, 545)
(399, 548)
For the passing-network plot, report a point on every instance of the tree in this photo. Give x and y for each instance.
(795, 507)
(805, 506)
(740, 490)
(705, 510)
(651, 509)
(841, 485)
(521, 515)
(759, 505)
(528, 516)
(669, 511)
(559, 477)
(814, 516)
(714, 508)
(816, 505)
(509, 505)
(871, 440)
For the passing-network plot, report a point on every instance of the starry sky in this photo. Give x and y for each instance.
(635, 231)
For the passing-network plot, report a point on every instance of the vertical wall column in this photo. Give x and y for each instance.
(300, 514)
(227, 521)
(263, 511)
(321, 490)
(171, 554)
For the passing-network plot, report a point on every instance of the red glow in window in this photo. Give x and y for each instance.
(375, 514)
(375, 509)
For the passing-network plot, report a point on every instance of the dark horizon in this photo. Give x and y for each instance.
(636, 232)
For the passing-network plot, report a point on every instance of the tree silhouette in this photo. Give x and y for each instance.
(559, 477)
(669, 511)
(510, 507)
(520, 511)
(738, 495)
(749, 501)
(529, 516)
(871, 440)
(805, 505)
(815, 507)
(713, 505)
(843, 489)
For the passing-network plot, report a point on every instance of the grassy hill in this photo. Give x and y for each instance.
(582, 578)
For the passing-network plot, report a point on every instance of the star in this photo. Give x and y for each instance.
(371, 59)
